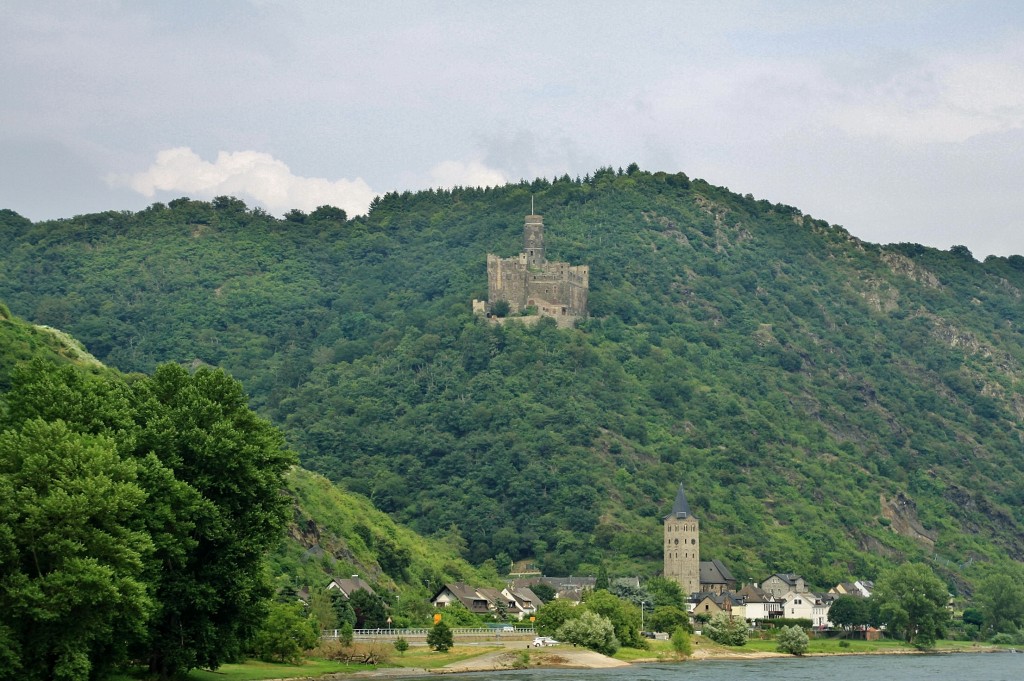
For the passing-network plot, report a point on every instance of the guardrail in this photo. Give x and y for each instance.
(463, 632)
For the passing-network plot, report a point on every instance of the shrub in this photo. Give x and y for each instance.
(285, 634)
(374, 653)
(1003, 638)
(500, 308)
(401, 645)
(590, 630)
(681, 642)
(792, 640)
(729, 631)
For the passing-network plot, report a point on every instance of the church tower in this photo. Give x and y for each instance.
(682, 545)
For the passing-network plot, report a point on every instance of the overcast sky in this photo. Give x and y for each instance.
(901, 121)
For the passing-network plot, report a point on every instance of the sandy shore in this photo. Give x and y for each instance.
(566, 658)
(581, 658)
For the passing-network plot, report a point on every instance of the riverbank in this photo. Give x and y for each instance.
(565, 657)
(494, 656)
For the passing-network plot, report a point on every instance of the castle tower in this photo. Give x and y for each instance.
(682, 545)
(533, 241)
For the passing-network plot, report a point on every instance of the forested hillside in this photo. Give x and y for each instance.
(831, 405)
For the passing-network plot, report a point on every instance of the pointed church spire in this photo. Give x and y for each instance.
(681, 509)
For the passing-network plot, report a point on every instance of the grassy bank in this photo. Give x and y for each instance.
(705, 648)
(417, 657)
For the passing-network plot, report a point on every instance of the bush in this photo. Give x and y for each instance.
(500, 308)
(285, 634)
(729, 631)
(1003, 639)
(401, 645)
(681, 642)
(844, 644)
(373, 653)
(792, 640)
(590, 630)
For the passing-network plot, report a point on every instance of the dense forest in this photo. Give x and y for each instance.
(832, 406)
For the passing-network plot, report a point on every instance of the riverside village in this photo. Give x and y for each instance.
(708, 587)
(524, 289)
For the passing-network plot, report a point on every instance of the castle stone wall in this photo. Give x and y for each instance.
(556, 289)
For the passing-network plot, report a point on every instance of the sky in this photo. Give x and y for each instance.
(902, 121)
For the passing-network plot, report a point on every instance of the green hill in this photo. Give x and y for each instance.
(833, 406)
(334, 533)
(331, 533)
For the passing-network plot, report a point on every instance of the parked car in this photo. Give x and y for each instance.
(508, 629)
(542, 641)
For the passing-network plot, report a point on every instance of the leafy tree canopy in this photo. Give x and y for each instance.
(912, 601)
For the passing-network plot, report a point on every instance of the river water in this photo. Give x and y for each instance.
(948, 667)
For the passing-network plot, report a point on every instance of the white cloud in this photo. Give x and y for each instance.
(949, 99)
(471, 174)
(251, 174)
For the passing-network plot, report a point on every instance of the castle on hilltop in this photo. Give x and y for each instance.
(530, 282)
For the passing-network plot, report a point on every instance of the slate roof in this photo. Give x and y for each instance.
(525, 596)
(722, 600)
(467, 595)
(714, 572)
(752, 594)
(681, 507)
(789, 577)
(348, 585)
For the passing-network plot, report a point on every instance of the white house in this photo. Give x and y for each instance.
(807, 605)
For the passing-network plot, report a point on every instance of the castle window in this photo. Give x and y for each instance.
(693, 541)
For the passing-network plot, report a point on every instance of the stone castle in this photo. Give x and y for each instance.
(529, 281)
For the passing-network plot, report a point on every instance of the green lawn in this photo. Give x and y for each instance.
(422, 657)
(417, 657)
(255, 670)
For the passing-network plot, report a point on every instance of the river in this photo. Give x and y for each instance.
(939, 667)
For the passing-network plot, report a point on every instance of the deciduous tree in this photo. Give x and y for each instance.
(72, 551)
(912, 602)
(590, 630)
(1000, 597)
(440, 637)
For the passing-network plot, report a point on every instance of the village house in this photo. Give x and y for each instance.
(459, 592)
(779, 584)
(807, 605)
(711, 604)
(861, 588)
(347, 586)
(760, 605)
(566, 588)
(513, 603)
(522, 602)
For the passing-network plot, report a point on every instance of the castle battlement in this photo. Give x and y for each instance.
(529, 280)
